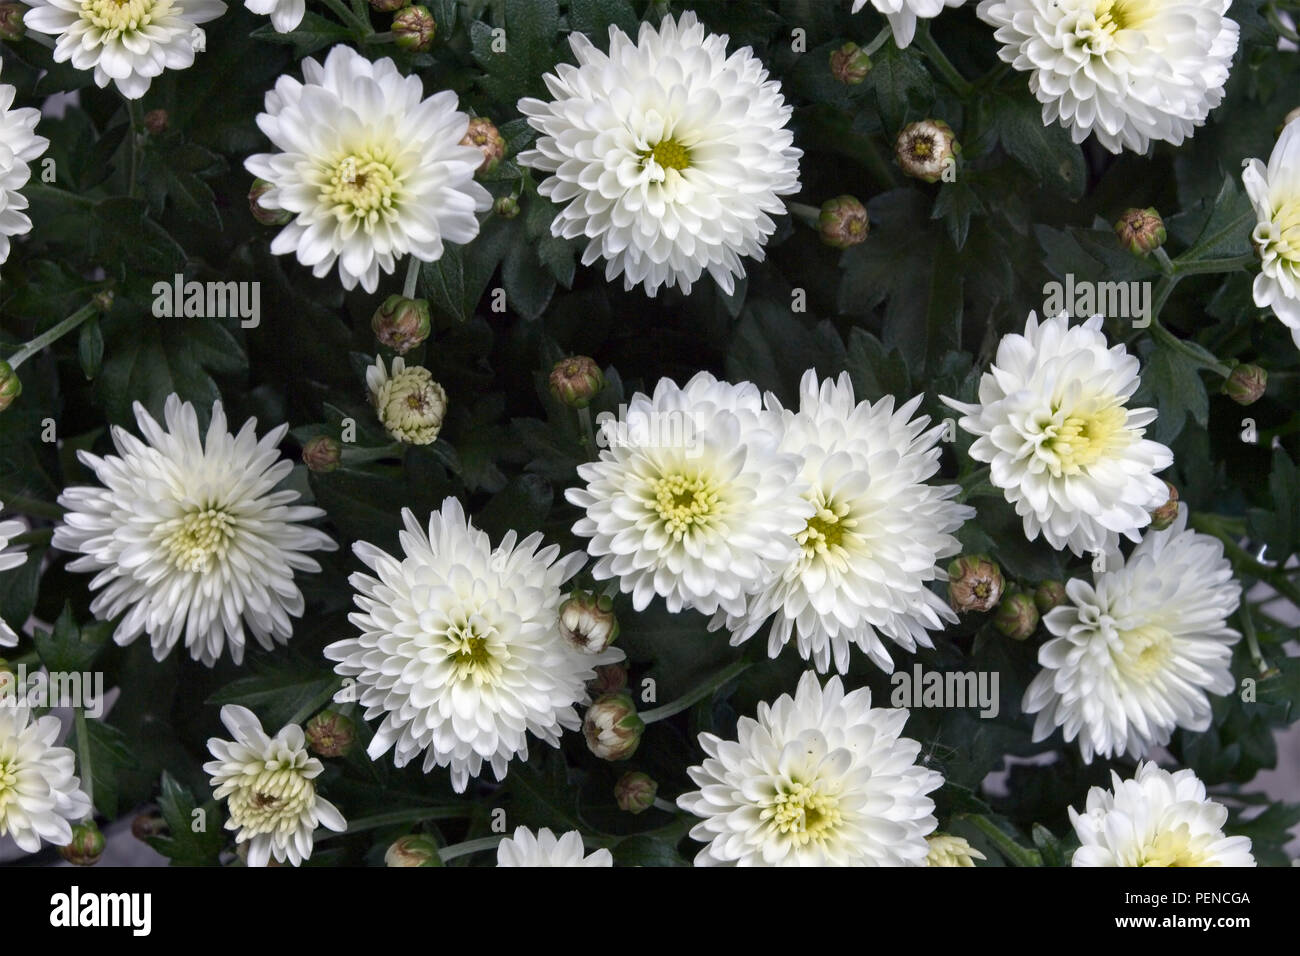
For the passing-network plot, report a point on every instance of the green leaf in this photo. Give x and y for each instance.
(1227, 231)
(70, 648)
(1172, 383)
(194, 832)
(1279, 526)
(876, 371)
(109, 755)
(1046, 151)
(455, 283)
(90, 348)
(18, 589)
(903, 87)
(593, 17)
(643, 850)
(530, 50)
(773, 347)
(278, 691)
(955, 205)
(315, 32)
(122, 233)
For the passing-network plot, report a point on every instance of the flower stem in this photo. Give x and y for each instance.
(469, 846)
(83, 758)
(53, 334)
(1243, 562)
(412, 277)
(133, 117)
(315, 704)
(1193, 267)
(1162, 257)
(349, 18)
(661, 804)
(1013, 851)
(941, 62)
(1276, 23)
(880, 40)
(588, 432)
(806, 214)
(40, 38)
(703, 691)
(1252, 639)
(394, 817)
(1163, 335)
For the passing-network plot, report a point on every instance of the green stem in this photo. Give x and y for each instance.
(83, 758)
(971, 482)
(133, 117)
(661, 804)
(1243, 562)
(588, 432)
(1163, 289)
(1252, 639)
(40, 38)
(1013, 851)
(991, 78)
(1201, 266)
(349, 18)
(692, 697)
(1162, 257)
(412, 277)
(33, 507)
(879, 40)
(1276, 23)
(316, 703)
(469, 846)
(395, 817)
(386, 37)
(1162, 334)
(941, 62)
(806, 214)
(52, 335)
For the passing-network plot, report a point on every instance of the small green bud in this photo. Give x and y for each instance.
(11, 21)
(1246, 384)
(330, 734)
(843, 222)
(635, 792)
(413, 850)
(1141, 231)
(507, 207)
(414, 29)
(850, 64)
(87, 845)
(10, 385)
(322, 454)
(576, 381)
(975, 583)
(401, 324)
(612, 727)
(1164, 516)
(1048, 595)
(1017, 616)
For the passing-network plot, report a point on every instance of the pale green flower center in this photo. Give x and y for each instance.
(362, 186)
(8, 787)
(1176, 847)
(1143, 651)
(824, 534)
(474, 657)
(116, 17)
(200, 537)
(1096, 32)
(1083, 438)
(685, 503)
(274, 798)
(670, 154)
(1280, 236)
(803, 813)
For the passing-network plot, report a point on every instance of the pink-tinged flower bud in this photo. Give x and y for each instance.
(1017, 616)
(843, 222)
(330, 734)
(507, 207)
(322, 454)
(87, 845)
(414, 29)
(1141, 231)
(635, 792)
(612, 727)
(850, 64)
(401, 324)
(413, 850)
(588, 622)
(1164, 516)
(576, 381)
(11, 21)
(925, 149)
(974, 583)
(483, 134)
(1246, 384)
(10, 385)
(1048, 595)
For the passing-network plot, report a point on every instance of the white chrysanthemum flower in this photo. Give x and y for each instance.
(691, 499)
(820, 779)
(189, 537)
(546, 849)
(948, 850)
(267, 783)
(1136, 653)
(1129, 71)
(285, 14)
(1156, 819)
(371, 170)
(460, 649)
(667, 154)
(867, 553)
(409, 403)
(1053, 423)
(39, 793)
(903, 14)
(19, 146)
(9, 558)
(127, 42)
(1275, 193)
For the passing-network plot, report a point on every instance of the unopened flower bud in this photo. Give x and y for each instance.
(401, 324)
(11, 21)
(414, 28)
(609, 678)
(10, 385)
(947, 850)
(612, 727)
(267, 217)
(1017, 616)
(1246, 383)
(103, 300)
(330, 734)
(925, 149)
(974, 583)
(387, 6)
(1164, 516)
(155, 121)
(87, 845)
(850, 64)
(148, 825)
(635, 792)
(409, 403)
(412, 850)
(483, 134)
(322, 454)
(843, 222)
(1048, 595)
(588, 622)
(576, 381)
(507, 207)
(1141, 231)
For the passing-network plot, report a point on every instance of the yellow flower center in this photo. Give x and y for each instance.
(823, 535)
(1081, 439)
(8, 788)
(803, 813)
(194, 541)
(1280, 236)
(1176, 847)
(1109, 17)
(116, 17)
(685, 503)
(272, 798)
(1143, 651)
(670, 154)
(473, 656)
(362, 186)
